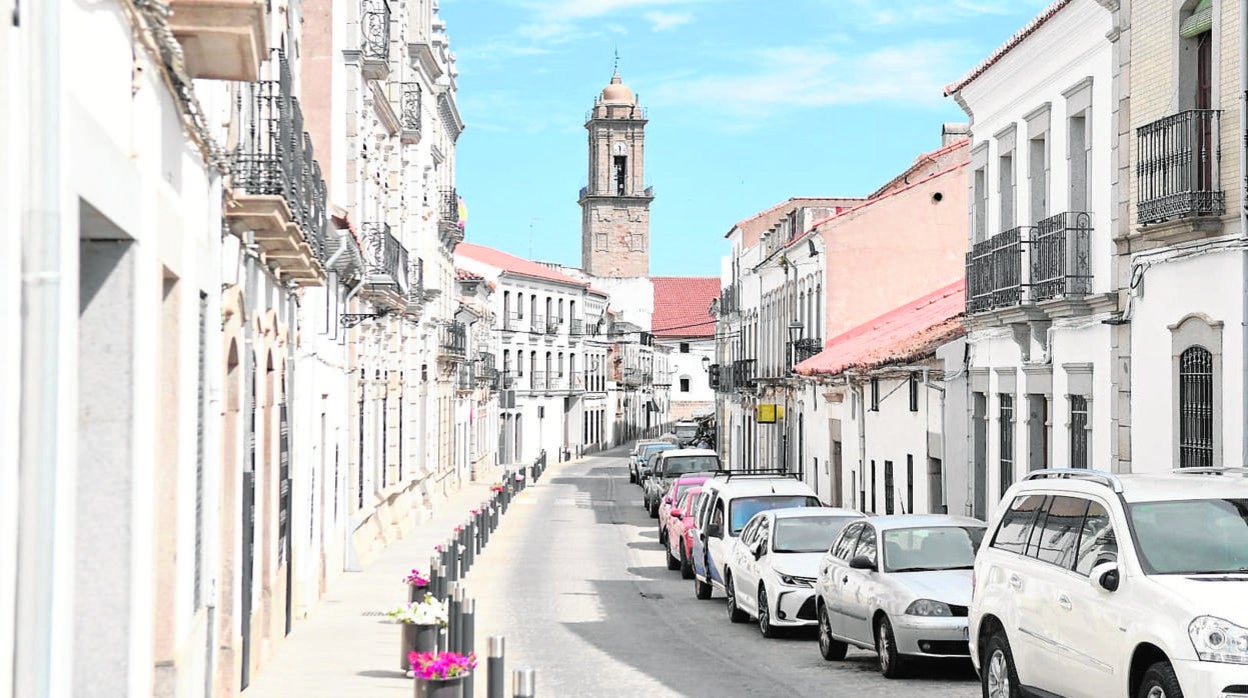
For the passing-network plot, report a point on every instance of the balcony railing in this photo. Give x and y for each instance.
(577, 328)
(454, 340)
(994, 272)
(416, 286)
(506, 380)
(409, 112)
(538, 380)
(1177, 167)
(448, 208)
(742, 373)
(375, 39)
(538, 325)
(385, 258)
(729, 301)
(552, 326)
(805, 348)
(1061, 257)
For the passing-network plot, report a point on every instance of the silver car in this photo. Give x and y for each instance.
(899, 585)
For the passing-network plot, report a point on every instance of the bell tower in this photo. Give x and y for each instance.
(615, 205)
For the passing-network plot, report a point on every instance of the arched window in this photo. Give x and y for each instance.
(1196, 407)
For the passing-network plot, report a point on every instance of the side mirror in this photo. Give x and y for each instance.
(759, 548)
(667, 499)
(676, 514)
(1105, 576)
(862, 562)
(714, 530)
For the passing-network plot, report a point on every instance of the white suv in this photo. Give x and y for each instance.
(1099, 585)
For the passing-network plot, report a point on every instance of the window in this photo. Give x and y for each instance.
(909, 483)
(619, 174)
(979, 204)
(520, 363)
(1097, 542)
(844, 546)
(684, 347)
(874, 501)
(1016, 523)
(1038, 176)
(1005, 183)
(1005, 420)
(875, 394)
(561, 320)
(520, 306)
(1078, 431)
(684, 385)
(1057, 531)
(1037, 431)
(888, 487)
(866, 544)
(1079, 152)
(1196, 408)
(914, 392)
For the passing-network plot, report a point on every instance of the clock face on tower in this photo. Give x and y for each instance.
(619, 148)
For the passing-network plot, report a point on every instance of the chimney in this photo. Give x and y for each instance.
(952, 133)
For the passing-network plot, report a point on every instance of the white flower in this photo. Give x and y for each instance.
(427, 612)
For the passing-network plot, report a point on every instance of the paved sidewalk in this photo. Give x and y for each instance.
(341, 650)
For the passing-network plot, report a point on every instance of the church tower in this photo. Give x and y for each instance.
(615, 206)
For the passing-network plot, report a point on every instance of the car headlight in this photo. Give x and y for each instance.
(927, 607)
(795, 581)
(1217, 640)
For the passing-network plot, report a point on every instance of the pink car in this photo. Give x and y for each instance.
(672, 496)
(680, 530)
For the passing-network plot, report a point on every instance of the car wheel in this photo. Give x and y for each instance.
(735, 615)
(892, 664)
(1160, 682)
(686, 567)
(645, 501)
(997, 673)
(632, 476)
(701, 589)
(764, 614)
(832, 649)
(663, 535)
(654, 509)
(672, 562)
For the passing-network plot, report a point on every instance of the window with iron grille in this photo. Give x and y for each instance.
(1005, 421)
(914, 392)
(1196, 408)
(1078, 431)
(888, 487)
(875, 394)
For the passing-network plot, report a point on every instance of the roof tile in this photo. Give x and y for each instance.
(682, 306)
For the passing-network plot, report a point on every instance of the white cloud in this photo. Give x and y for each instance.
(801, 77)
(663, 21)
(899, 12)
(587, 9)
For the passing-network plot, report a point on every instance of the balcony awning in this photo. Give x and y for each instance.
(1200, 21)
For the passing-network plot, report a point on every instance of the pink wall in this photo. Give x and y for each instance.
(316, 83)
(898, 247)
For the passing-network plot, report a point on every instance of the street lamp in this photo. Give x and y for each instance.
(795, 334)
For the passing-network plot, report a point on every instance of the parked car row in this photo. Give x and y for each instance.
(1083, 584)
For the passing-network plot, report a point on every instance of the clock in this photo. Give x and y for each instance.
(619, 148)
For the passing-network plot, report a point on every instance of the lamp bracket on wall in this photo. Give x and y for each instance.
(349, 320)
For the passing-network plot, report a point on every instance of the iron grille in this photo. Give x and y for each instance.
(455, 339)
(409, 107)
(538, 380)
(1005, 422)
(743, 373)
(448, 208)
(1177, 167)
(1061, 257)
(805, 348)
(552, 326)
(577, 328)
(375, 23)
(994, 270)
(1078, 431)
(1196, 408)
(385, 258)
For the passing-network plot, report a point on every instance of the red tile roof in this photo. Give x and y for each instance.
(1008, 46)
(512, 264)
(903, 334)
(682, 306)
(465, 275)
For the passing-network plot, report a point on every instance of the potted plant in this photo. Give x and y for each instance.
(417, 586)
(441, 674)
(422, 621)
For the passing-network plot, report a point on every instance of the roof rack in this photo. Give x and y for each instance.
(772, 472)
(1098, 476)
(1215, 470)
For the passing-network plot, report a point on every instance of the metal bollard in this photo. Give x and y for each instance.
(495, 668)
(452, 568)
(524, 683)
(469, 640)
(454, 626)
(442, 582)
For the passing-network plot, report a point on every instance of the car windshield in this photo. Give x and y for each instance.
(655, 448)
(686, 430)
(744, 508)
(930, 549)
(807, 534)
(680, 465)
(1192, 536)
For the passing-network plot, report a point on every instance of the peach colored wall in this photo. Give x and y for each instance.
(316, 84)
(895, 249)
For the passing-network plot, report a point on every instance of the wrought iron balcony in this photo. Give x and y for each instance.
(483, 366)
(506, 381)
(552, 326)
(538, 380)
(449, 222)
(805, 348)
(375, 42)
(1061, 257)
(994, 272)
(743, 373)
(577, 328)
(712, 376)
(1177, 167)
(416, 286)
(538, 324)
(409, 112)
(453, 342)
(385, 258)
(278, 191)
(729, 301)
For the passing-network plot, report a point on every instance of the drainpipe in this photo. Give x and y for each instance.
(860, 398)
(41, 349)
(1243, 231)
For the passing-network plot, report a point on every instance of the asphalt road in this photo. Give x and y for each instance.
(575, 580)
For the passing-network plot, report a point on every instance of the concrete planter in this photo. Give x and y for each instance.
(441, 688)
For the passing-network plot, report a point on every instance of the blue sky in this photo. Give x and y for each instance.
(749, 103)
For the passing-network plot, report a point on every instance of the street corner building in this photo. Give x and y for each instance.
(243, 344)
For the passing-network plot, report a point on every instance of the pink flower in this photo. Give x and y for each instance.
(442, 665)
(416, 579)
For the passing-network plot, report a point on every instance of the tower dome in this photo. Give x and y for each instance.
(617, 92)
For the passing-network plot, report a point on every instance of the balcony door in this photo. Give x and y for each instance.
(1204, 100)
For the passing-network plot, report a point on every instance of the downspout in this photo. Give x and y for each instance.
(39, 456)
(860, 406)
(1243, 231)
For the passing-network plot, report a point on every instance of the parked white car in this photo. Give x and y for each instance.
(1100, 585)
(770, 572)
(899, 585)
